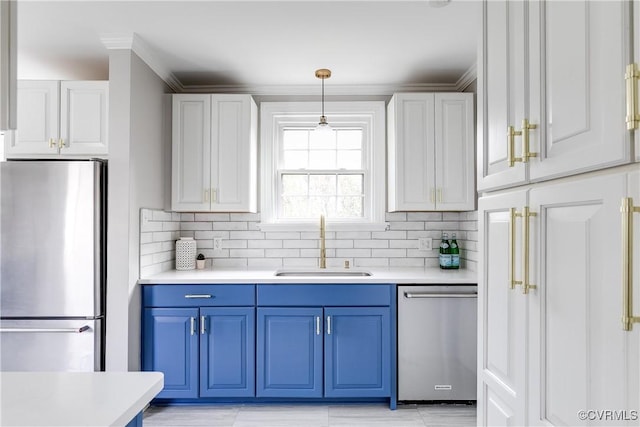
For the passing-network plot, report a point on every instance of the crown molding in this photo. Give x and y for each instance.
(135, 43)
(467, 78)
(330, 90)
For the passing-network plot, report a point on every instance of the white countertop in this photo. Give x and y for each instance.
(379, 275)
(75, 398)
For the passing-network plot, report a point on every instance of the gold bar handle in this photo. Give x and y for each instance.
(439, 192)
(512, 249)
(627, 209)
(526, 153)
(526, 214)
(52, 143)
(433, 195)
(214, 195)
(61, 143)
(631, 76)
(206, 195)
(511, 136)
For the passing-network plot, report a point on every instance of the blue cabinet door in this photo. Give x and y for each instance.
(289, 353)
(227, 352)
(357, 352)
(170, 345)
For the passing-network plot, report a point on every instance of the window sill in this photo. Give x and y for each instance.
(330, 226)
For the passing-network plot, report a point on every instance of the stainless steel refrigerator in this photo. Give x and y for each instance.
(53, 265)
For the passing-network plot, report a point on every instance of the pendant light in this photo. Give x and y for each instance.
(323, 74)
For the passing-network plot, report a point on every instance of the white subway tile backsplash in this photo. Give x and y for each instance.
(229, 225)
(388, 253)
(244, 245)
(406, 262)
(395, 216)
(255, 217)
(371, 262)
(161, 216)
(212, 217)
(353, 235)
(248, 235)
(424, 216)
(199, 225)
(413, 225)
(370, 243)
(264, 244)
(353, 253)
(246, 253)
(300, 244)
(299, 262)
(150, 248)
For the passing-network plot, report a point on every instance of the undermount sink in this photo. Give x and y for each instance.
(322, 273)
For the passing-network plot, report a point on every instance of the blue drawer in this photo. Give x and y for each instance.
(198, 295)
(347, 295)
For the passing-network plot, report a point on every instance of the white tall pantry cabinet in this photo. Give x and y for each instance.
(555, 161)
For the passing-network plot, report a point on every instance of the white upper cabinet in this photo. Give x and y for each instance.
(502, 92)
(214, 153)
(559, 110)
(430, 147)
(68, 118)
(578, 51)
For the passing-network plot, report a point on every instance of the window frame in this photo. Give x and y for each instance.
(370, 115)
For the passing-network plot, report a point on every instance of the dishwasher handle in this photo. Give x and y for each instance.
(439, 295)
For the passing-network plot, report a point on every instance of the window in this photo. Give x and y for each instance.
(338, 173)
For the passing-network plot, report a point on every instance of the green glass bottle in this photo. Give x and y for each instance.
(455, 252)
(445, 254)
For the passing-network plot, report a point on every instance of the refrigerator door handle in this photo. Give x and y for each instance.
(64, 330)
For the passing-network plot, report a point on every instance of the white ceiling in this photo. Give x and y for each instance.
(257, 44)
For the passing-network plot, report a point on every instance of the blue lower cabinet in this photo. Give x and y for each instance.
(289, 353)
(227, 352)
(171, 346)
(357, 352)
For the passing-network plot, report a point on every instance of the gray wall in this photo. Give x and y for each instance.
(139, 170)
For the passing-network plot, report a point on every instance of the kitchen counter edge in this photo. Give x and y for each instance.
(400, 276)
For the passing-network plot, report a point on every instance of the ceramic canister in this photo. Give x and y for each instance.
(185, 253)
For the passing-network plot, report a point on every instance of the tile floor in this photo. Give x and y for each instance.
(311, 415)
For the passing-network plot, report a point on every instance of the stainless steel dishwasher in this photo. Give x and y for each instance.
(437, 342)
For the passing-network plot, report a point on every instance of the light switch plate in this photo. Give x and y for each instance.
(424, 244)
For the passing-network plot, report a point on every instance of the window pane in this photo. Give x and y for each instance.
(321, 185)
(322, 206)
(349, 159)
(322, 139)
(350, 185)
(322, 159)
(294, 185)
(294, 207)
(295, 159)
(295, 138)
(349, 207)
(350, 139)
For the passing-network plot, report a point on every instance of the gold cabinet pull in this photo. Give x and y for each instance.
(439, 191)
(433, 195)
(61, 143)
(627, 209)
(52, 143)
(526, 214)
(206, 195)
(214, 195)
(631, 76)
(512, 248)
(511, 136)
(526, 149)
